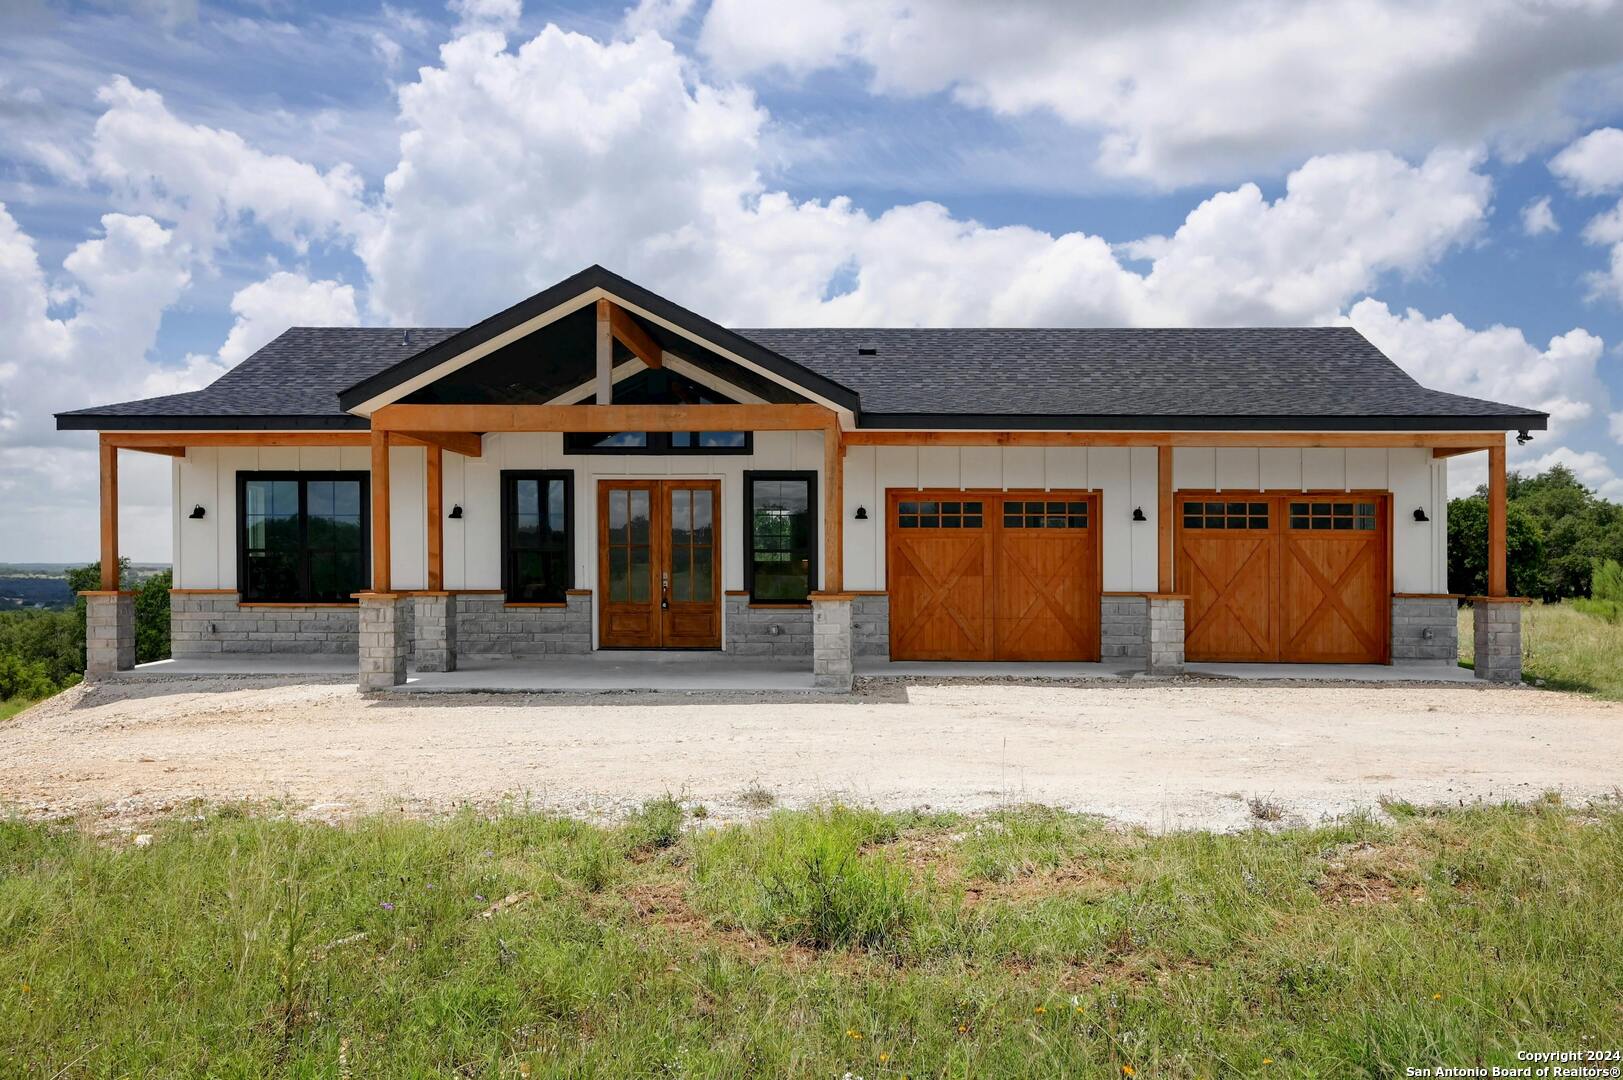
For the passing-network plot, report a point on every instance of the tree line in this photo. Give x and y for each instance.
(43, 652)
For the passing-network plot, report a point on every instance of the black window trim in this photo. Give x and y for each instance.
(509, 480)
(303, 477)
(659, 443)
(812, 513)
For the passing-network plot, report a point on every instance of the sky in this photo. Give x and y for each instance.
(181, 180)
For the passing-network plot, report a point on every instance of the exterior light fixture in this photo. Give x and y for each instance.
(1420, 514)
(1138, 514)
(862, 513)
(1523, 438)
(456, 512)
(197, 513)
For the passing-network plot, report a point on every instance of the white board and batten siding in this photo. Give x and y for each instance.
(1125, 477)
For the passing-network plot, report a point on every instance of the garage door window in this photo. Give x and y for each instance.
(939, 515)
(1349, 516)
(1225, 515)
(1048, 514)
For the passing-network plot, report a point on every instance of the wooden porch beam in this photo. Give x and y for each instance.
(109, 518)
(380, 511)
(629, 332)
(434, 475)
(833, 511)
(164, 442)
(1163, 519)
(466, 443)
(1455, 451)
(1456, 442)
(419, 419)
(1496, 520)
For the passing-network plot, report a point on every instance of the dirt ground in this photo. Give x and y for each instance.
(1177, 755)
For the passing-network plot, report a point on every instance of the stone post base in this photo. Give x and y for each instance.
(1166, 637)
(109, 632)
(832, 641)
(1498, 625)
(434, 636)
(383, 641)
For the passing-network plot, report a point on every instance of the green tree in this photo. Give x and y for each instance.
(1468, 548)
(151, 607)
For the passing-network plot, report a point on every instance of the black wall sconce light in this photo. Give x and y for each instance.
(197, 513)
(1420, 514)
(862, 513)
(456, 512)
(1138, 514)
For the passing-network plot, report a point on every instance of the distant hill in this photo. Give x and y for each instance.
(45, 585)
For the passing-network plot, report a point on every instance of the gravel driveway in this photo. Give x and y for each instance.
(1179, 755)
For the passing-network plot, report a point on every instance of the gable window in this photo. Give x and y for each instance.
(538, 520)
(302, 537)
(656, 386)
(780, 536)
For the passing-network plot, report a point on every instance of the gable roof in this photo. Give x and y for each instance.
(1287, 378)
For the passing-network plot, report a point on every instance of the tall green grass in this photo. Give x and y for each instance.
(1567, 648)
(1027, 943)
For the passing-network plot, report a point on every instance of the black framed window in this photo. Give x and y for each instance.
(302, 537)
(929, 514)
(1354, 516)
(538, 535)
(1225, 515)
(657, 386)
(780, 536)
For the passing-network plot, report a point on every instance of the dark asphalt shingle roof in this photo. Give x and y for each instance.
(1088, 377)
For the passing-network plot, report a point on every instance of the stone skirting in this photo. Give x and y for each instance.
(1425, 630)
(204, 625)
(766, 631)
(1124, 630)
(434, 637)
(487, 627)
(870, 625)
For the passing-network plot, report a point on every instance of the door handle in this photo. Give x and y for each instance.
(664, 592)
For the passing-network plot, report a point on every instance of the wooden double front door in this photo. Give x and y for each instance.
(1293, 578)
(659, 564)
(993, 575)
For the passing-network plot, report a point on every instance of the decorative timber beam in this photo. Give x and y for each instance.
(420, 419)
(833, 511)
(174, 443)
(466, 443)
(1496, 521)
(380, 511)
(109, 518)
(629, 332)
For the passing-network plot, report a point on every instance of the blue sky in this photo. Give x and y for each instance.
(182, 180)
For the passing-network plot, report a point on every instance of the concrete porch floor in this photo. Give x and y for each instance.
(714, 671)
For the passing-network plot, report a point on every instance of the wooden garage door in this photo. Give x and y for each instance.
(1295, 578)
(993, 575)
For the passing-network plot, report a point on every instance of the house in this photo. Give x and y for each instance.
(598, 468)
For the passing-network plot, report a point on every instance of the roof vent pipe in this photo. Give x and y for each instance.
(867, 350)
(405, 337)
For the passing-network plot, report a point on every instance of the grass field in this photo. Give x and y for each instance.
(1025, 943)
(1568, 649)
(10, 707)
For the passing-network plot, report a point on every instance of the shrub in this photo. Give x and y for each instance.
(658, 824)
(1606, 581)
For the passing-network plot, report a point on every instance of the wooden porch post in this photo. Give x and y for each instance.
(109, 518)
(380, 511)
(605, 352)
(1163, 518)
(435, 458)
(833, 509)
(1496, 521)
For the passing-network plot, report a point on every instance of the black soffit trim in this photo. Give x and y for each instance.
(80, 421)
(1026, 422)
(594, 277)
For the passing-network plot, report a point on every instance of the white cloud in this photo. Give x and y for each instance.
(657, 16)
(1196, 90)
(1591, 468)
(266, 308)
(1498, 363)
(1593, 165)
(1538, 218)
(1616, 427)
(521, 166)
(208, 180)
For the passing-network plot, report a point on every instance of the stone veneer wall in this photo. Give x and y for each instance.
(1425, 630)
(1124, 630)
(486, 626)
(766, 631)
(1498, 632)
(203, 625)
(870, 625)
